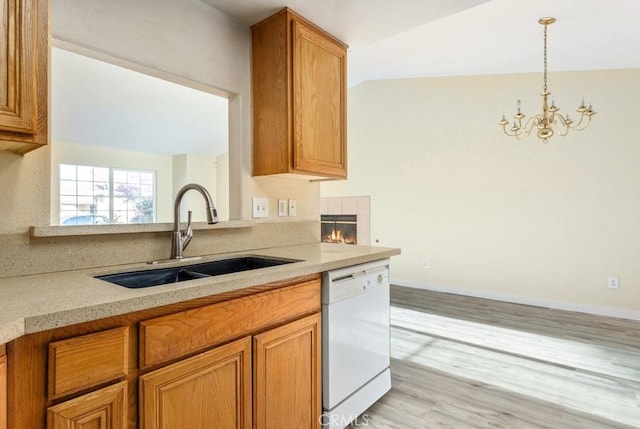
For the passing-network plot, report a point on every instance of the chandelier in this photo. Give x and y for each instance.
(549, 120)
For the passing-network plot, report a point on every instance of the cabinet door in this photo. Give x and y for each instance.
(319, 100)
(3, 389)
(287, 371)
(23, 74)
(105, 409)
(210, 390)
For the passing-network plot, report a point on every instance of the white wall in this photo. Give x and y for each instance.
(185, 41)
(24, 190)
(497, 217)
(201, 169)
(181, 40)
(222, 186)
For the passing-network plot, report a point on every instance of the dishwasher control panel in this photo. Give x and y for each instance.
(347, 282)
(376, 279)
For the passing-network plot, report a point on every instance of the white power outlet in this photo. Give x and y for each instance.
(282, 207)
(293, 207)
(425, 263)
(260, 207)
(613, 283)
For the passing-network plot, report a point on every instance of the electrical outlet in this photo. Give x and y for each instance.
(282, 207)
(613, 283)
(260, 207)
(293, 210)
(425, 263)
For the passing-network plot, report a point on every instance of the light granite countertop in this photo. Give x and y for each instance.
(40, 302)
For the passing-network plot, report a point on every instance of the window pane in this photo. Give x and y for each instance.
(67, 187)
(101, 174)
(85, 188)
(101, 189)
(119, 189)
(146, 178)
(67, 200)
(68, 218)
(133, 191)
(119, 176)
(146, 191)
(101, 204)
(133, 176)
(91, 195)
(67, 172)
(120, 216)
(85, 173)
(119, 203)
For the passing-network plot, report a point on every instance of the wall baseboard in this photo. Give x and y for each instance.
(536, 302)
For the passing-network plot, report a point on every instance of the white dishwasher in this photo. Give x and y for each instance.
(355, 341)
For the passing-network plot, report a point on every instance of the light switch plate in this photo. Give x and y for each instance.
(292, 207)
(282, 207)
(260, 207)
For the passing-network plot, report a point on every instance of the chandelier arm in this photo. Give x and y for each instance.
(578, 127)
(504, 129)
(573, 125)
(525, 131)
(510, 132)
(563, 122)
(531, 124)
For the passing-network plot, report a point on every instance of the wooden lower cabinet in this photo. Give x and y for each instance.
(246, 360)
(214, 389)
(3, 388)
(103, 409)
(287, 376)
(210, 390)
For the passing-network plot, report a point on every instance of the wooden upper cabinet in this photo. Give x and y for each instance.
(23, 75)
(299, 98)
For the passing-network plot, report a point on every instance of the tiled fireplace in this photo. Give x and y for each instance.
(346, 220)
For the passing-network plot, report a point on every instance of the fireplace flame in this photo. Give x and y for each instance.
(336, 236)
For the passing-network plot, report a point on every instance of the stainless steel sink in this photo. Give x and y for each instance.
(162, 276)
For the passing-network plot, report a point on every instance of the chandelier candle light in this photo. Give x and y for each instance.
(549, 119)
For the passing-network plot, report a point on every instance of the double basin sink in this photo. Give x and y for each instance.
(162, 276)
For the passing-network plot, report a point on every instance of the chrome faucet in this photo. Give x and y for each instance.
(182, 238)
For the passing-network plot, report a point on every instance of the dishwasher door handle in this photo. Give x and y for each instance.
(343, 279)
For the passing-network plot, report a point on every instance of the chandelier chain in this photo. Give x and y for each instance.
(545, 58)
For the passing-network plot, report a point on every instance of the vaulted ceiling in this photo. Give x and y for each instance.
(403, 38)
(423, 38)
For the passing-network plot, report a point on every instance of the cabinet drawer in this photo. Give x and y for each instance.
(176, 335)
(87, 361)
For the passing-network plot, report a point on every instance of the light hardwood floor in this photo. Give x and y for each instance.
(461, 362)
